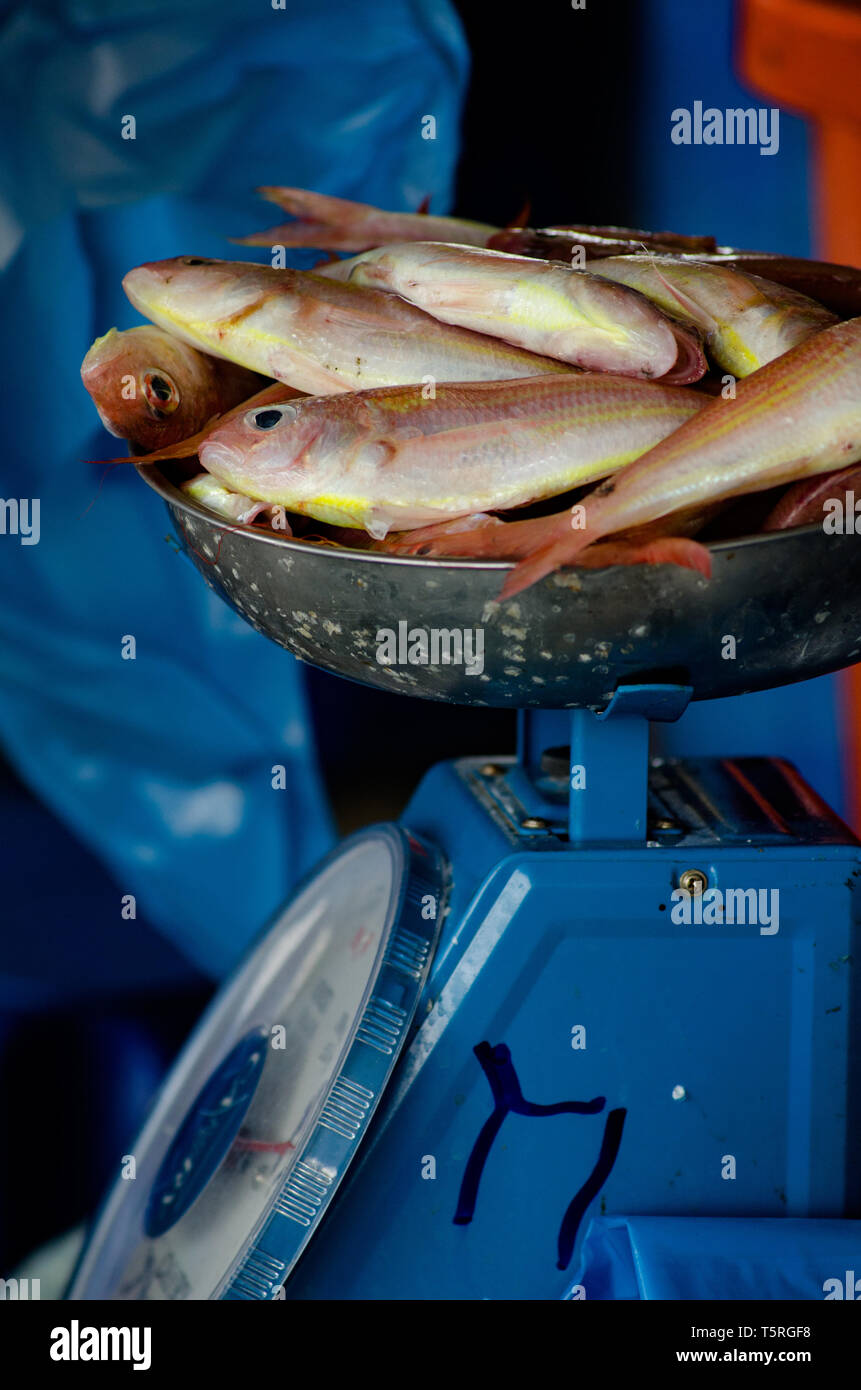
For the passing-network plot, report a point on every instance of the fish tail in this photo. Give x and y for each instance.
(302, 203)
(536, 566)
(321, 221)
(282, 235)
(664, 550)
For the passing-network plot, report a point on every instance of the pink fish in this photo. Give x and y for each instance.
(542, 306)
(796, 417)
(391, 460)
(316, 334)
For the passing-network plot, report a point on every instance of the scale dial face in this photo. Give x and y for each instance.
(266, 1107)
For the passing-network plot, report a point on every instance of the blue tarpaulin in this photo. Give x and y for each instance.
(689, 1257)
(163, 765)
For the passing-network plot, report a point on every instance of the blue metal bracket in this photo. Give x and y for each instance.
(662, 704)
(610, 763)
(609, 759)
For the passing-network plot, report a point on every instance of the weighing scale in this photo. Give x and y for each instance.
(469, 1033)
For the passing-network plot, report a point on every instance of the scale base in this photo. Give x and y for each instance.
(589, 1048)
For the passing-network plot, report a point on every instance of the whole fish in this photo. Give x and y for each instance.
(152, 389)
(796, 417)
(390, 460)
(336, 224)
(542, 306)
(747, 321)
(317, 335)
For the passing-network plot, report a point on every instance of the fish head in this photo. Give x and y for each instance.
(148, 387)
(284, 451)
(189, 290)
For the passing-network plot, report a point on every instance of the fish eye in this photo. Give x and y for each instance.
(195, 260)
(160, 393)
(269, 417)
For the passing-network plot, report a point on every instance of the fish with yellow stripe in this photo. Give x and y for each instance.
(543, 306)
(389, 460)
(317, 335)
(794, 418)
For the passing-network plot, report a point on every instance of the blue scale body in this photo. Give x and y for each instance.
(713, 1049)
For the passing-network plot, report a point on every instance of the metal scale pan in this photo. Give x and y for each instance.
(791, 599)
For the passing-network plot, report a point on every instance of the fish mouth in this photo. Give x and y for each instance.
(145, 284)
(223, 463)
(690, 364)
(161, 272)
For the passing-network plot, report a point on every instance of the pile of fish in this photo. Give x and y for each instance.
(417, 396)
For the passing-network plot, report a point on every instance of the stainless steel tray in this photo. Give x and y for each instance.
(791, 600)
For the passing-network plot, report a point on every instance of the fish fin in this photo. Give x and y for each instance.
(184, 448)
(663, 550)
(424, 206)
(703, 319)
(487, 537)
(424, 540)
(536, 566)
(281, 235)
(330, 224)
(378, 523)
(361, 318)
(522, 218)
(121, 458)
(311, 207)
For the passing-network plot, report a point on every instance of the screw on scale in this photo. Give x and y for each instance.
(694, 881)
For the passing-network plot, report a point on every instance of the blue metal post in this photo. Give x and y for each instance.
(610, 763)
